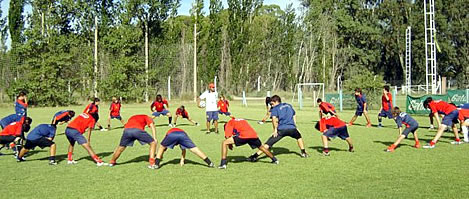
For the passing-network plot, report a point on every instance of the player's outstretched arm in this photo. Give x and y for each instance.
(153, 132)
(275, 125)
(437, 116)
(89, 135)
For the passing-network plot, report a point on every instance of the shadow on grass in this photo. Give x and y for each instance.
(120, 127)
(101, 155)
(176, 161)
(320, 148)
(280, 151)
(181, 125)
(389, 143)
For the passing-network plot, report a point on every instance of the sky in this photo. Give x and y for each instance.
(183, 9)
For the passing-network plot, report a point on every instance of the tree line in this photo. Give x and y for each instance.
(52, 53)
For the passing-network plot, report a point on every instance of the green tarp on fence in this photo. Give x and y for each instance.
(415, 104)
(458, 96)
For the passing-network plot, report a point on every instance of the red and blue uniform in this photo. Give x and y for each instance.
(138, 122)
(386, 106)
(115, 110)
(10, 119)
(177, 136)
(242, 133)
(13, 129)
(333, 127)
(76, 128)
(62, 116)
(134, 129)
(463, 115)
(327, 107)
(93, 110)
(361, 101)
(182, 112)
(21, 107)
(159, 108)
(223, 106)
(405, 119)
(449, 110)
(42, 131)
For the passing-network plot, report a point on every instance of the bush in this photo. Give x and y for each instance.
(371, 85)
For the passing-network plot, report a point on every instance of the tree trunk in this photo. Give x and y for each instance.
(183, 82)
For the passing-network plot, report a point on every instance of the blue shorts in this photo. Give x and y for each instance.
(224, 113)
(116, 117)
(212, 115)
(132, 134)
(178, 137)
(359, 111)
(410, 129)
(74, 136)
(341, 132)
(384, 113)
(163, 112)
(451, 118)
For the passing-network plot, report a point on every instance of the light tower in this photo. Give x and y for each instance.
(430, 46)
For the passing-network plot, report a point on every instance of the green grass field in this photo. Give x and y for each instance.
(369, 172)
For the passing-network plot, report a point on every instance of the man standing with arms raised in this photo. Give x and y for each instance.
(210, 96)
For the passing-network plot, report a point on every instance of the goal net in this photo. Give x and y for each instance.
(308, 93)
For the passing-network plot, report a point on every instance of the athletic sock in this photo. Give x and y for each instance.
(432, 143)
(274, 159)
(302, 151)
(417, 142)
(457, 139)
(326, 150)
(157, 161)
(100, 127)
(170, 119)
(70, 156)
(112, 162)
(255, 155)
(223, 162)
(52, 158)
(380, 120)
(392, 146)
(12, 145)
(151, 161)
(208, 161)
(96, 159)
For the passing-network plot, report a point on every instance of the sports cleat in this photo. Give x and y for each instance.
(326, 153)
(52, 162)
(429, 146)
(304, 155)
(222, 166)
(350, 124)
(417, 146)
(72, 162)
(275, 162)
(390, 149)
(112, 164)
(380, 126)
(211, 165)
(18, 159)
(197, 124)
(103, 129)
(260, 122)
(351, 149)
(153, 166)
(101, 164)
(457, 142)
(431, 127)
(251, 159)
(170, 125)
(208, 132)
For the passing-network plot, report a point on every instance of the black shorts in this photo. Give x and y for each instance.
(41, 142)
(7, 139)
(95, 116)
(253, 142)
(294, 133)
(410, 129)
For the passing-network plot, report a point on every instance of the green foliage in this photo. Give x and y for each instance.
(371, 85)
(15, 22)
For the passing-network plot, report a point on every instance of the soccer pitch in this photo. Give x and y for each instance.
(369, 172)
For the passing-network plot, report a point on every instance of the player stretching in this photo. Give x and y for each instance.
(176, 136)
(239, 132)
(464, 122)
(21, 104)
(325, 108)
(268, 106)
(223, 105)
(210, 96)
(451, 114)
(386, 106)
(284, 124)
(13, 133)
(114, 112)
(135, 130)
(74, 133)
(332, 127)
(362, 108)
(41, 136)
(182, 112)
(411, 127)
(93, 110)
(10, 119)
(159, 107)
(63, 117)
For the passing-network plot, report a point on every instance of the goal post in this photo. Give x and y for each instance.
(316, 91)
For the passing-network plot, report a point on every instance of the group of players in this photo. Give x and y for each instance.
(237, 131)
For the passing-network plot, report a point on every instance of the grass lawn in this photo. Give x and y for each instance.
(369, 172)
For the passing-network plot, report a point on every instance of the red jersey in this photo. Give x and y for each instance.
(463, 115)
(13, 129)
(159, 106)
(138, 122)
(115, 109)
(326, 107)
(387, 104)
(22, 103)
(82, 122)
(330, 122)
(174, 130)
(223, 106)
(91, 109)
(240, 128)
(441, 107)
(182, 112)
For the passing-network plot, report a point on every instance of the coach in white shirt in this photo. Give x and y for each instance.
(210, 96)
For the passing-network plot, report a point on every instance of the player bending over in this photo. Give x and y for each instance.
(176, 136)
(284, 124)
(159, 107)
(93, 110)
(386, 106)
(13, 133)
(239, 132)
(182, 112)
(74, 133)
(268, 106)
(223, 106)
(464, 122)
(451, 115)
(135, 130)
(332, 127)
(41, 136)
(411, 127)
(62, 117)
(10, 119)
(362, 108)
(114, 112)
(326, 108)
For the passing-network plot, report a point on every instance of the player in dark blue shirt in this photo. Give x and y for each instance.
(284, 124)
(63, 117)
(362, 107)
(411, 127)
(42, 137)
(9, 119)
(21, 104)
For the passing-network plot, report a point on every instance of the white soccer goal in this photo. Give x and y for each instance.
(309, 91)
